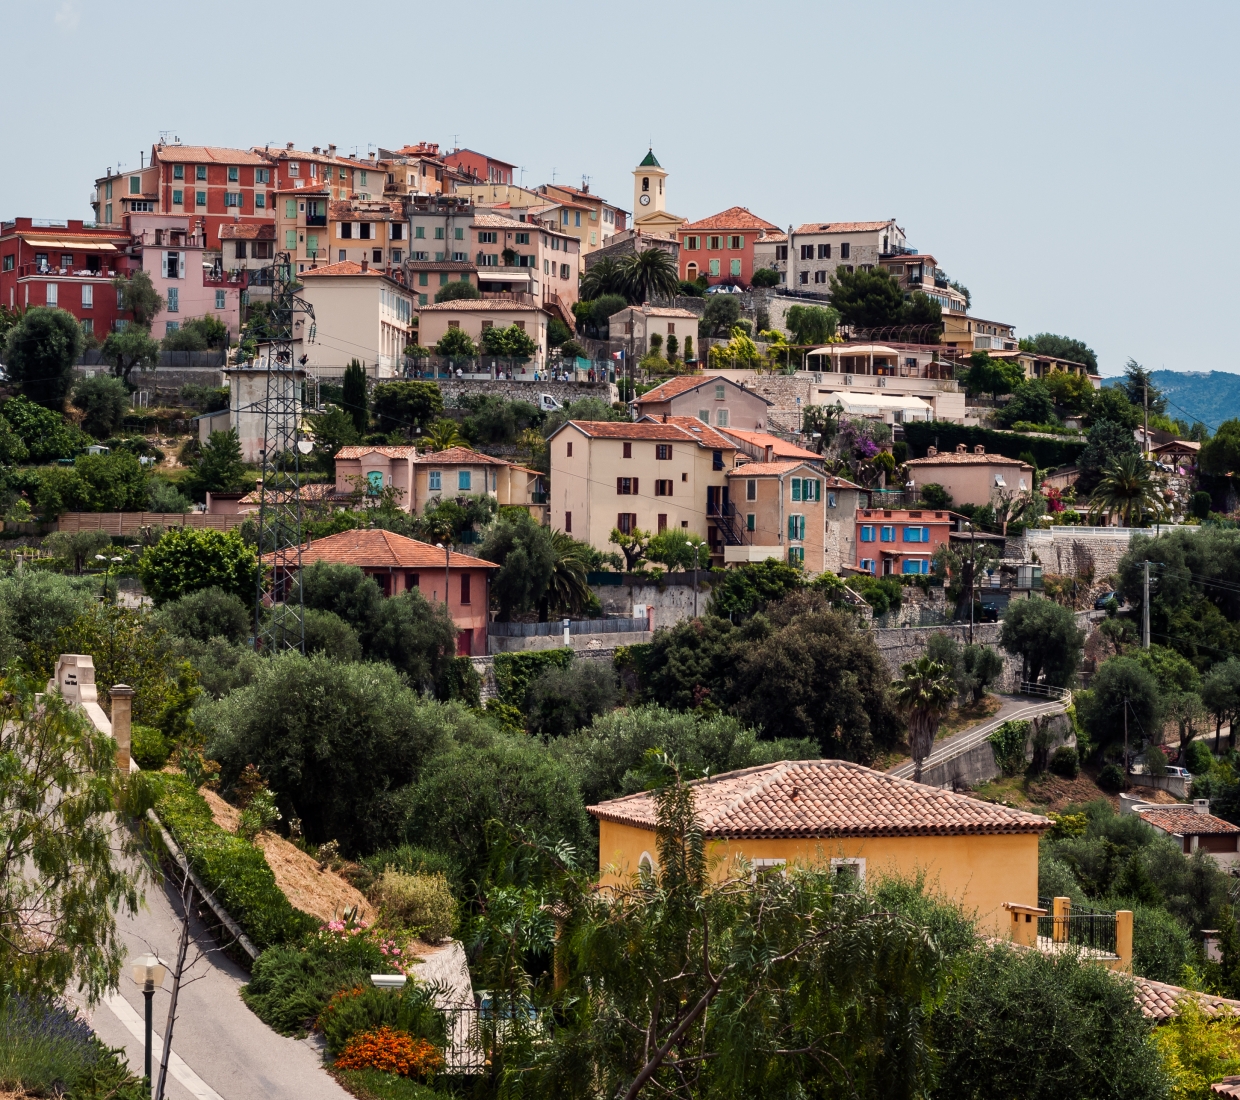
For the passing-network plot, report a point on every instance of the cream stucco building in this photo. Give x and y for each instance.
(650, 214)
(359, 313)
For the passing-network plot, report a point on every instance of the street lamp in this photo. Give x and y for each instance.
(149, 973)
(107, 572)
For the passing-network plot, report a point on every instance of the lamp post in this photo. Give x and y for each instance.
(107, 573)
(149, 973)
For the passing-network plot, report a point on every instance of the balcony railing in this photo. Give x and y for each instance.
(1091, 930)
(219, 277)
(27, 270)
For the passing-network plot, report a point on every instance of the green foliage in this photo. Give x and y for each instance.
(336, 742)
(867, 299)
(1220, 455)
(512, 342)
(749, 587)
(1127, 490)
(765, 277)
(139, 298)
(456, 344)
(457, 290)
(720, 316)
(515, 673)
(602, 277)
(332, 429)
(150, 748)
(648, 274)
(37, 608)
(992, 376)
(1023, 1023)
(1066, 762)
(418, 903)
(1008, 744)
(164, 497)
(45, 435)
(526, 555)
(198, 334)
(206, 613)
(104, 402)
(1049, 452)
(187, 559)
(1062, 347)
(495, 419)
(1073, 394)
(924, 695)
(129, 350)
(40, 351)
(402, 406)
(221, 666)
(413, 635)
(219, 468)
(365, 1008)
(935, 495)
(811, 324)
(565, 699)
(329, 634)
(78, 547)
(1046, 638)
(1121, 683)
(353, 398)
(675, 548)
(1111, 779)
(1030, 402)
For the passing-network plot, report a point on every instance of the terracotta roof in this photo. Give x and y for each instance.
(1185, 445)
(207, 154)
(345, 267)
(774, 237)
(649, 429)
(843, 227)
(1226, 1086)
(1159, 1001)
(673, 387)
(955, 458)
(247, 231)
(480, 305)
(361, 451)
(384, 549)
(459, 456)
(766, 469)
(316, 491)
(1185, 821)
(440, 265)
(781, 447)
(347, 210)
(666, 311)
(497, 221)
(698, 429)
(734, 217)
(820, 798)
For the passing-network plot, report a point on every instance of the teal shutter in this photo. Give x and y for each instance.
(796, 488)
(792, 527)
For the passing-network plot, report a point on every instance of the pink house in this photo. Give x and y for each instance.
(896, 541)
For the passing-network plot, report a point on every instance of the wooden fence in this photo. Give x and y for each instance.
(130, 523)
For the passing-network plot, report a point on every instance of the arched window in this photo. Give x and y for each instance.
(645, 865)
(645, 183)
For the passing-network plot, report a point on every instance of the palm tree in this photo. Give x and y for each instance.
(647, 273)
(603, 277)
(925, 694)
(568, 590)
(441, 435)
(1127, 490)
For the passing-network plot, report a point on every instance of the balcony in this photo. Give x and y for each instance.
(169, 238)
(25, 271)
(215, 275)
(316, 221)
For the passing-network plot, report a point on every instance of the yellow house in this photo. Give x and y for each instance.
(982, 856)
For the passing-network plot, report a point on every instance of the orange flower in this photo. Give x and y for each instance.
(391, 1051)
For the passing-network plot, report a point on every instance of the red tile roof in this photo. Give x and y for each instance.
(349, 211)
(376, 549)
(345, 267)
(781, 447)
(316, 491)
(459, 456)
(1159, 1001)
(1185, 821)
(361, 451)
(767, 469)
(478, 305)
(673, 387)
(247, 231)
(207, 154)
(734, 217)
(699, 429)
(822, 798)
(650, 429)
(966, 458)
(843, 227)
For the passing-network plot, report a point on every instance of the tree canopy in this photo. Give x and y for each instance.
(40, 352)
(402, 406)
(189, 558)
(1045, 636)
(1062, 347)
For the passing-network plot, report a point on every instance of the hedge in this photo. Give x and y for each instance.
(946, 436)
(514, 672)
(234, 870)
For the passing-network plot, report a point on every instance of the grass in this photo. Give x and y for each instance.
(1043, 793)
(371, 1084)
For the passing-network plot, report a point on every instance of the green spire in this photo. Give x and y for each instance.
(650, 162)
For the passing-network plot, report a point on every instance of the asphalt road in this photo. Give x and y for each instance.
(1016, 707)
(220, 1049)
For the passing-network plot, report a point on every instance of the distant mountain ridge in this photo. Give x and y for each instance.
(1208, 396)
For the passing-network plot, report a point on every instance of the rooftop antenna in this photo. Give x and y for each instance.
(522, 170)
(456, 142)
(585, 181)
(553, 171)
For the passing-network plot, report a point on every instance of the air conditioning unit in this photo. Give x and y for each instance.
(848, 380)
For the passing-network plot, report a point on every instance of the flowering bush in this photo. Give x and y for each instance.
(363, 1008)
(391, 1051)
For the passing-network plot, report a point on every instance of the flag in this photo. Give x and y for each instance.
(618, 354)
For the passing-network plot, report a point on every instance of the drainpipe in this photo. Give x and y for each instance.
(781, 509)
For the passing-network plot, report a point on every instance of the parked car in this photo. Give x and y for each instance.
(1100, 604)
(1176, 772)
(990, 612)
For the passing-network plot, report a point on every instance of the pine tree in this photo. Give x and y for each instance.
(354, 399)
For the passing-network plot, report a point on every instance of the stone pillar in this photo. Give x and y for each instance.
(1123, 939)
(122, 716)
(1062, 912)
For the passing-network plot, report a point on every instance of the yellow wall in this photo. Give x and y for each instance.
(980, 873)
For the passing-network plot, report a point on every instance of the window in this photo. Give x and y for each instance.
(220, 302)
(845, 250)
(804, 277)
(807, 251)
(88, 327)
(796, 555)
(721, 417)
(716, 460)
(464, 588)
(714, 243)
(262, 175)
(170, 327)
(439, 232)
(178, 171)
(867, 565)
(232, 198)
(714, 267)
(570, 450)
(396, 231)
(200, 172)
(376, 255)
(174, 303)
(488, 237)
(421, 297)
(796, 528)
(888, 534)
(692, 244)
(233, 173)
(626, 522)
(917, 534)
(424, 278)
(460, 257)
(830, 500)
(523, 238)
(458, 234)
(290, 208)
(365, 231)
(107, 190)
(290, 240)
(107, 213)
(568, 523)
(626, 486)
(577, 218)
(850, 870)
(565, 271)
(824, 251)
(53, 294)
(663, 487)
(135, 185)
(704, 415)
(462, 480)
(662, 522)
(662, 452)
(915, 565)
(820, 276)
(200, 198)
(263, 250)
(751, 490)
(807, 489)
(434, 480)
(419, 231)
(867, 533)
(88, 297)
(781, 252)
(178, 198)
(750, 521)
(736, 242)
(628, 450)
(9, 261)
(734, 268)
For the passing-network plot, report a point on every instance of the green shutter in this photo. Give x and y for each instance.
(312, 242)
(796, 488)
(792, 527)
(290, 239)
(290, 208)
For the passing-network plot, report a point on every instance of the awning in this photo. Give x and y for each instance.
(875, 404)
(76, 246)
(835, 350)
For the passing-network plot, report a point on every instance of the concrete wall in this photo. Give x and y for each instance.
(485, 666)
(580, 643)
(977, 764)
(671, 601)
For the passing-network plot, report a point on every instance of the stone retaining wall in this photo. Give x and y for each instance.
(563, 392)
(580, 643)
(485, 666)
(977, 764)
(1067, 550)
(908, 643)
(671, 602)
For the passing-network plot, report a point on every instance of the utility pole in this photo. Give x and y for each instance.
(1125, 735)
(1145, 608)
(1145, 401)
(972, 575)
(696, 547)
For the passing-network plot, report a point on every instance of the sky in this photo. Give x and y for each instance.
(1073, 164)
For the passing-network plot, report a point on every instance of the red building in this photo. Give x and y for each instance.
(895, 541)
(67, 264)
(721, 247)
(480, 166)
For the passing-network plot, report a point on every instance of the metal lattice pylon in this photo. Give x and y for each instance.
(278, 608)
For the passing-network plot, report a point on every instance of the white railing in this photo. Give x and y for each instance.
(1064, 695)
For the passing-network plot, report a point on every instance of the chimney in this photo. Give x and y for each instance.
(770, 453)
(979, 450)
(331, 150)
(314, 148)
(960, 448)
(365, 267)
(122, 715)
(1200, 805)
(931, 452)
(289, 145)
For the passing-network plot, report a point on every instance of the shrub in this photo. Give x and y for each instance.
(422, 904)
(1008, 743)
(1161, 945)
(363, 1008)
(935, 495)
(328, 633)
(1155, 761)
(391, 1052)
(42, 1045)
(150, 748)
(410, 860)
(104, 401)
(1065, 762)
(187, 559)
(207, 613)
(1198, 758)
(235, 871)
(1111, 779)
(565, 699)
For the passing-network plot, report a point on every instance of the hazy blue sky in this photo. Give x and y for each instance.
(1073, 164)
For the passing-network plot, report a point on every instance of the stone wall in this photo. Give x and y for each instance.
(485, 666)
(164, 382)
(580, 643)
(1071, 550)
(563, 392)
(908, 643)
(977, 764)
(671, 601)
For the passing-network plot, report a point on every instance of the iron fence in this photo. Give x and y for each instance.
(1089, 929)
(575, 626)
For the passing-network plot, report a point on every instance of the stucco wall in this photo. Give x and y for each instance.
(978, 872)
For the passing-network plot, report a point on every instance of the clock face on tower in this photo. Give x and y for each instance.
(644, 200)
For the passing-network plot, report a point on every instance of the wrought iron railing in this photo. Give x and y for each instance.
(1088, 929)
